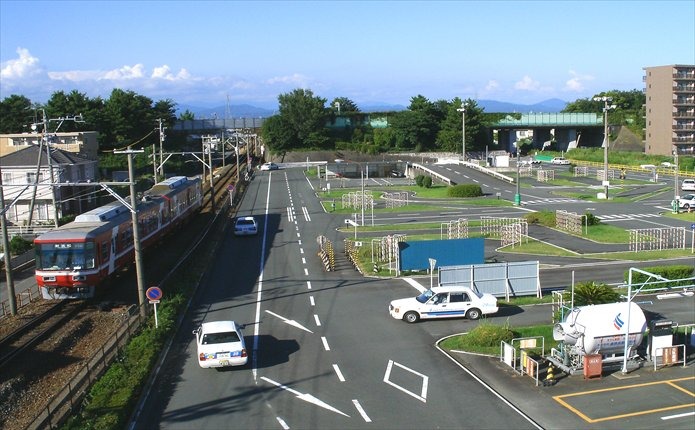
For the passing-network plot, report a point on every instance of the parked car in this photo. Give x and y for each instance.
(444, 302)
(559, 160)
(397, 174)
(245, 226)
(688, 185)
(687, 201)
(220, 344)
(269, 166)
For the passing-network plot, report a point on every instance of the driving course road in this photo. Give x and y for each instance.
(325, 353)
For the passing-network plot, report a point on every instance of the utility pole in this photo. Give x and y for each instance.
(8, 260)
(161, 151)
(44, 140)
(606, 108)
(462, 109)
(136, 230)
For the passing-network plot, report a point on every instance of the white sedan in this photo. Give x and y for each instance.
(560, 160)
(687, 202)
(269, 166)
(220, 344)
(245, 226)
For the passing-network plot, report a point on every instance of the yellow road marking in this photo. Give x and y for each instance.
(670, 382)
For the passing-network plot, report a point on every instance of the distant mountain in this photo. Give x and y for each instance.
(490, 106)
(235, 111)
(546, 106)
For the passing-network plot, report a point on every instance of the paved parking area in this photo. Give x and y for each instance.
(667, 399)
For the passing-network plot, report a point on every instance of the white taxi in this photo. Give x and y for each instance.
(444, 302)
(220, 344)
(245, 226)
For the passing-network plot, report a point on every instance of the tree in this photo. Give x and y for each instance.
(62, 105)
(186, 115)
(165, 110)
(346, 105)
(305, 116)
(417, 127)
(16, 114)
(129, 119)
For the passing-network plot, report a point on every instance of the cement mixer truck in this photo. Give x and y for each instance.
(598, 329)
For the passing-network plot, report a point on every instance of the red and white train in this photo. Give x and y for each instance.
(73, 259)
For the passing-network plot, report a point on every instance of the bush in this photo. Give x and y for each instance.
(592, 219)
(464, 190)
(591, 293)
(423, 181)
(668, 272)
(18, 245)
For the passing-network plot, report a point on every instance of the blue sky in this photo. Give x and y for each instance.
(202, 53)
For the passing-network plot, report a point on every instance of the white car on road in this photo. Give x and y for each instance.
(220, 344)
(688, 185)
(559, 160)
(444, 302)
(245, 226)
(687, 202)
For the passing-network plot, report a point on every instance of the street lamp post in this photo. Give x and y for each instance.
(517, 196)
(606, 108)
(462, 109)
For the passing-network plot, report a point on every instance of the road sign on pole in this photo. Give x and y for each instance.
(154, 295)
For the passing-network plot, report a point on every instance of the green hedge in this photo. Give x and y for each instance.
(423, 181)
(464, 190)
(111, 399)
(668, 272)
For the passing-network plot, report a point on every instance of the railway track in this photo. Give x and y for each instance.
(31, 332)
(39, 357)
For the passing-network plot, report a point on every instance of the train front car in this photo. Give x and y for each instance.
(74, 258)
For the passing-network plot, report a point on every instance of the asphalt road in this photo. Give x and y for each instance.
(324, 351)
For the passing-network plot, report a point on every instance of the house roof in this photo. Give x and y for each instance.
(28, 156)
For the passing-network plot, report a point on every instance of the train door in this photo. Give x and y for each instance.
(112, 254)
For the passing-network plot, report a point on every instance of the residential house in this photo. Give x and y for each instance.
(29, 169)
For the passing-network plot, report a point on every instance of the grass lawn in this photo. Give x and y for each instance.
(467, 343)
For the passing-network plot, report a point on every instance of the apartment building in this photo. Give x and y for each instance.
(670, 93)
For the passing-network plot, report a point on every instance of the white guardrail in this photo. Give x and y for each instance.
(466, 164)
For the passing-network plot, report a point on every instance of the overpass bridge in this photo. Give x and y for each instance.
(570, 130)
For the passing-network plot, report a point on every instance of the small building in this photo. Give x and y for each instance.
(24, 168)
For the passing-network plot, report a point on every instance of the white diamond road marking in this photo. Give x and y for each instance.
(425, 381)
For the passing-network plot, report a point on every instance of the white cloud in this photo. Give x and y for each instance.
(164, 72)
(125, 73)
(295, 79)
(527, 84)
(492, 86)
(576, 82)
(23, 67)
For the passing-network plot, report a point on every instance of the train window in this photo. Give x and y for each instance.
(105, 251)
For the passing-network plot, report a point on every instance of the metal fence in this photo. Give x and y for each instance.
(511, 279)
